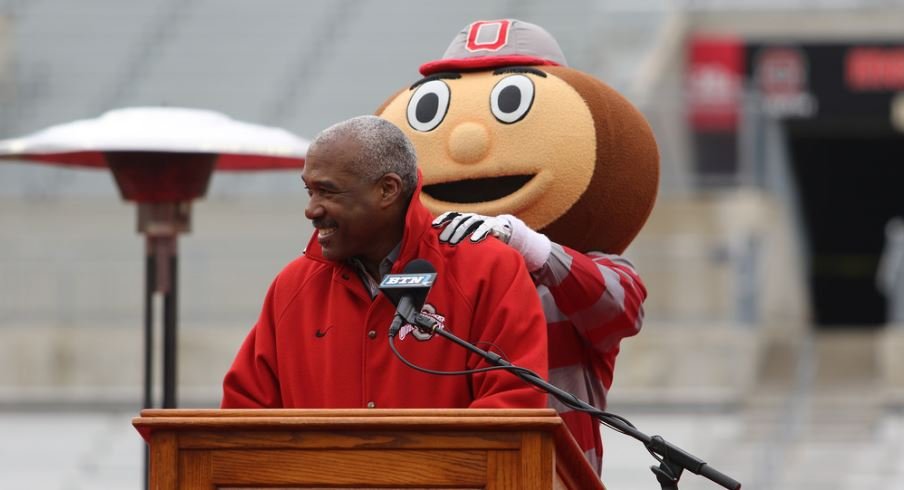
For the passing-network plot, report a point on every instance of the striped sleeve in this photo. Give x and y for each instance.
(600, 294)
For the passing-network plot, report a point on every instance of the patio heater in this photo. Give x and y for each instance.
(162, 159)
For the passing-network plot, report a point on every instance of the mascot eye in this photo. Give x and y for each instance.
(511, 98)
(428, 105)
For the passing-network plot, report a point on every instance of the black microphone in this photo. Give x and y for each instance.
(408, 291)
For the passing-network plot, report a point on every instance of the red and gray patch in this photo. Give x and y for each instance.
(430, 311)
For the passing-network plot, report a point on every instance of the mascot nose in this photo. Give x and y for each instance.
(469, 142)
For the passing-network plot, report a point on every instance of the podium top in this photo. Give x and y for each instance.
(416, 419)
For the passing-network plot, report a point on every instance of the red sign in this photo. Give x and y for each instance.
(874, 69)
(715, 68)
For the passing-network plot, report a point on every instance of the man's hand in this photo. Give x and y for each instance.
(534, 247)
(478, 227)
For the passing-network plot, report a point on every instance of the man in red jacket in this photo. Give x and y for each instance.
(321, 339)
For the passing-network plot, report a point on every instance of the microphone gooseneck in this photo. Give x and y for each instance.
(410, 291)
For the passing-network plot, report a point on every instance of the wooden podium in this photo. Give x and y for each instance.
(353, 449)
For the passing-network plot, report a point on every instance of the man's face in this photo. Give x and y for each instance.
(343, 207)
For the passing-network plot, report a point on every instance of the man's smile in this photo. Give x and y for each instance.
(326, 232)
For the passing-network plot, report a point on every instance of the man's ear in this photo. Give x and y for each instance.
(390, 189)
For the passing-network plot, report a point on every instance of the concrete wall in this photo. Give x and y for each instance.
(71, 324)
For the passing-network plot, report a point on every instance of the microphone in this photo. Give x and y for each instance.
(408, 291)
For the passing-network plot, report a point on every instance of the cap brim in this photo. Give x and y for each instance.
(483, 62)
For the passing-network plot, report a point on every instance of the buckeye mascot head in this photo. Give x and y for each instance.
(502, 125)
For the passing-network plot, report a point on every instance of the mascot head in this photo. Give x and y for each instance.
(502, 126)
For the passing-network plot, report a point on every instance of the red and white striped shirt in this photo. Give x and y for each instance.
(591, 302)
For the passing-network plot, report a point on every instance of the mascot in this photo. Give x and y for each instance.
(514, 144)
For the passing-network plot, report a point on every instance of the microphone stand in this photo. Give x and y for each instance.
(674, 459)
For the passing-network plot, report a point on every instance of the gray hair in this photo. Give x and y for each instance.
(384, 149)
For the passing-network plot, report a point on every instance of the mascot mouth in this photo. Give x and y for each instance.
(477, 190)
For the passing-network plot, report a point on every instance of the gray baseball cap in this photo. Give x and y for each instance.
(493, 43)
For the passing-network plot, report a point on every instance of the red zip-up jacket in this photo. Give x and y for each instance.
(322, 342)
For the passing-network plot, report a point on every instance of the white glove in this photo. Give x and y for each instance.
(534, 247)
(460, 225)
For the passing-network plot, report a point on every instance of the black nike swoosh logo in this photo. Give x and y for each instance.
(320, 333)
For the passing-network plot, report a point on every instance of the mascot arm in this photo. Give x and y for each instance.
(534, 247)
(600, 294)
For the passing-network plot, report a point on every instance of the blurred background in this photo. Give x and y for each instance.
(773, 340)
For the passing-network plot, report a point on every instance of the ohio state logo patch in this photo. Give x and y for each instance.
(409, 329)
(488, 35)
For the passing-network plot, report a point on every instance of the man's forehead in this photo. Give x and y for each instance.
(336, 170)
(315, 169)
(333, 157)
